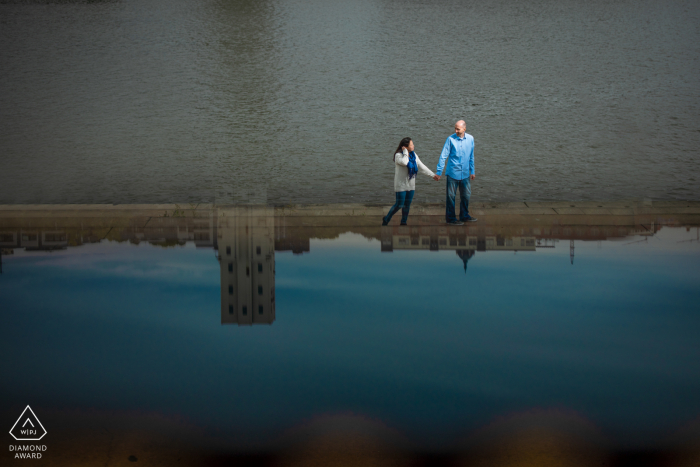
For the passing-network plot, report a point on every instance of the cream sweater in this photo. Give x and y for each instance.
(401, 181)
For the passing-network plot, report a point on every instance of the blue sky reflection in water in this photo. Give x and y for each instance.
(406, 337)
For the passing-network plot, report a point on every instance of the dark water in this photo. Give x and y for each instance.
(155, 101)
(588, 332)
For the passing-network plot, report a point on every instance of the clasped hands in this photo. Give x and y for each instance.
(437, 177)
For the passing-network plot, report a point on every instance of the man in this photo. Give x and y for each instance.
(459, 152)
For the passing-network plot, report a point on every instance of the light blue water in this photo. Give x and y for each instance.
(409, 338)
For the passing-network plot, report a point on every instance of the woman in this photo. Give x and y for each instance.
(407, 165)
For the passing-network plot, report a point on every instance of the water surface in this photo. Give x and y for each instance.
(155, 101)
(432, 346)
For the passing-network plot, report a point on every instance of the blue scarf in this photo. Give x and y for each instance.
(412, 166)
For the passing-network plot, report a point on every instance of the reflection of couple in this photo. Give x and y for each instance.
(459, 153)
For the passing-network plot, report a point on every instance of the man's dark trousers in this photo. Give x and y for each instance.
(465, 192)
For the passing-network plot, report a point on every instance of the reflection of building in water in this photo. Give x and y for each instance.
(172, 231)
(571, 251)
(288, 240)
(465, 256)
(464, 240)
(248, 288)
(246, 245)
(451, 238)
(34, 240)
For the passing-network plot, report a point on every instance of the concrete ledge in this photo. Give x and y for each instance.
(584, 213)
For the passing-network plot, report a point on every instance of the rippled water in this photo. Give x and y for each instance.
(155, 101)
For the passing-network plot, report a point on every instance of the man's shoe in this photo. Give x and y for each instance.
(469, 219)
(403, 223)
(384, 222)
(455, 222)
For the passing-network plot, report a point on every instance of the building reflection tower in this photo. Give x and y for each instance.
(571, 251)
(465, 256)
(246, 244)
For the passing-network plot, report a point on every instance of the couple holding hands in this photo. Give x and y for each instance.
(459, 153)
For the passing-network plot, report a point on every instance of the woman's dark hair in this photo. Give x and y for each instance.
(404, 143)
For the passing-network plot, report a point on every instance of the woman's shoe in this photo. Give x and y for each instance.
(403, 223)
(384, 222)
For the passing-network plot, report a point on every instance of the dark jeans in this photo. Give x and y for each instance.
(403, 202)
(465, 192)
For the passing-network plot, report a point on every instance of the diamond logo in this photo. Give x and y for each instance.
(28, 427)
